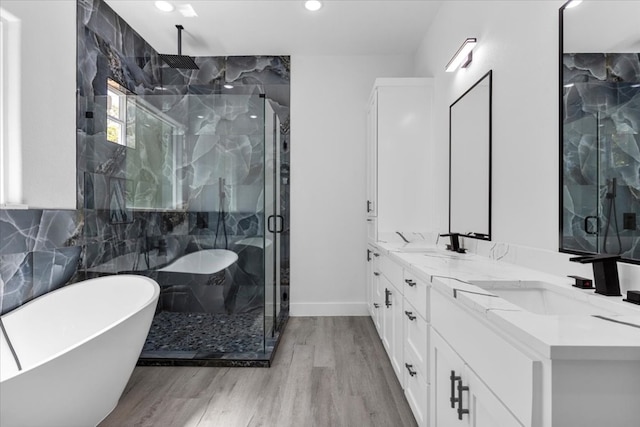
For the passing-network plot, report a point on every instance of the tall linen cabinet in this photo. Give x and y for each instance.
(399, 146)
(399, 199)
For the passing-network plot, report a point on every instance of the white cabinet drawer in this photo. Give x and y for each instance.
(416, 342)
(416, 291)
(417, 392)
(392, 271)
(514, 377)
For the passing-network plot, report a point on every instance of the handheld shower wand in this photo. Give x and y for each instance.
(221, 213)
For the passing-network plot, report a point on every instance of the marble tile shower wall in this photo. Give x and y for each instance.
(41, 250)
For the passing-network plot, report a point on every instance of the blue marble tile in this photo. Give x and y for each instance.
(54, 269)
(18, 230)
(58, 229)
(16, 279)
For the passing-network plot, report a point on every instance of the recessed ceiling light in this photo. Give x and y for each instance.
(313, 5)
(187, 11)
(573, 3)
(568, 85)
(253, 116)
(164, 6)
(201, 117)
(228, 86)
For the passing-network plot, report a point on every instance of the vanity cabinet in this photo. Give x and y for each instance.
(403, 328)
(459, 397)
(399, 135)
(511, 377)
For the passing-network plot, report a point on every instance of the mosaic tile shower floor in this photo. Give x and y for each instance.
(205, 332)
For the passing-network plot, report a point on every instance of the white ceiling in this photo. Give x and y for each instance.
(284, 27)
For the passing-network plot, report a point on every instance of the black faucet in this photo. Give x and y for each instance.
(605, 273)
(454, 244)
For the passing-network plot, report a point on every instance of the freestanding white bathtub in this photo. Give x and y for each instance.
(207, 261)
(70, 352)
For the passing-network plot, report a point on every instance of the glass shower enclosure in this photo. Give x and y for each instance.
(194, 192)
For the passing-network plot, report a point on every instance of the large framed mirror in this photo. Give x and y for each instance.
(470, 161)
(599, 105)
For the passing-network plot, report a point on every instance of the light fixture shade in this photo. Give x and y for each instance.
(164, 6)
(573, 3)
(463, 56)
(313, 5)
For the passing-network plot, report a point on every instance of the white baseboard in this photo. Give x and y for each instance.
(328, 309)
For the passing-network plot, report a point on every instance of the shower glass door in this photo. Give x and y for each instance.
(270, 214)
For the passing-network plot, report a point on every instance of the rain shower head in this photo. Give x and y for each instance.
(179, 60)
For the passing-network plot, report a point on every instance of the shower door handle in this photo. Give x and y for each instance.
(281, 227)
(269, 226)
(586, 224)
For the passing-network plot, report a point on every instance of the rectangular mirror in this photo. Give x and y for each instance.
(470, 161)
(599, 94)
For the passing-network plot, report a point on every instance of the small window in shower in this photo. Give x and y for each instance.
(118, 120)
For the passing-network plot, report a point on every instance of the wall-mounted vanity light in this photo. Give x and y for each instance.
(463, 56)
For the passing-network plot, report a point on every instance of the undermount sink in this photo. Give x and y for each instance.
(544, 298)
(428, 251)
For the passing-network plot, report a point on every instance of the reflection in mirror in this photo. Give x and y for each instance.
(600, 126)
(470, 161)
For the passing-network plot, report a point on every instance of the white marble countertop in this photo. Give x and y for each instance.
(554, 336)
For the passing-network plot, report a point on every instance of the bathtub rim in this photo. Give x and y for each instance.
(162, 269)
(154, 297)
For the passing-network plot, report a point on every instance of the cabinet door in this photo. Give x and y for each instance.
(369, 285)
(397, 335)
(446, 369)
(485, 409)
(372, 156)
(374, 296)
(404, 176)
(386, 320)
(392, 326)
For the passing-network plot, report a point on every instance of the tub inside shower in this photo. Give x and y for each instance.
(195, 203)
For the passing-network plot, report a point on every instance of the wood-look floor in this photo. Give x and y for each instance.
(328, 371)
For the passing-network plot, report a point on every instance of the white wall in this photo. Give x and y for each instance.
(46, 77)
(328, 235)
(518, 40)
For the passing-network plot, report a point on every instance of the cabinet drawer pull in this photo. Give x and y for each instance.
(375, 273)
(410, 315)
(376, 254)
(368, 255)
(410, 282)
(453, 378)
(461, 388)
(387, 297)
(368, 205)
(410, 369)
(376, 305)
